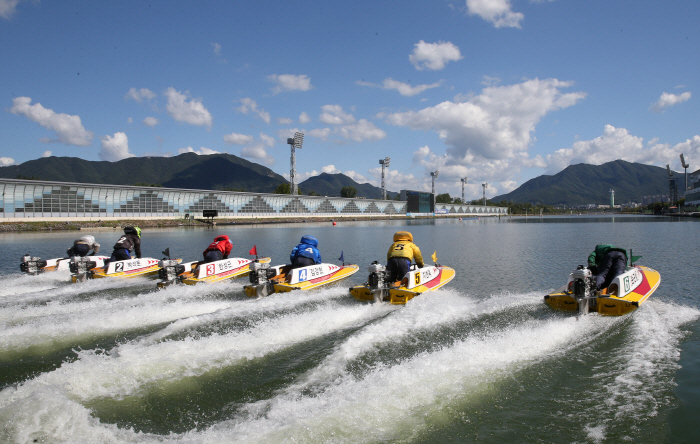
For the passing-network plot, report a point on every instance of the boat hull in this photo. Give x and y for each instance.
(218, 271)
(626, 296)
(416, 283)
(330, 274)
(127, 269)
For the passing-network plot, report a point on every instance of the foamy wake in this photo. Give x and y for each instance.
(389, 402)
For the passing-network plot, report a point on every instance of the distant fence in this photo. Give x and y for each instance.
(43, 199)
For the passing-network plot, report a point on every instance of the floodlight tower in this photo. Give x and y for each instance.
(685, 168)
(464, 180)
(484, 186)
(294, 143)
(385, 164)
(434, 175)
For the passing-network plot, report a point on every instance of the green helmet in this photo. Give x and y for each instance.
(138, 231)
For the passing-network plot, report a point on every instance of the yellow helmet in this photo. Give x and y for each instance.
(403, 236)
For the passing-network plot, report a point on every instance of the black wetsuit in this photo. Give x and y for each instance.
(613, 264)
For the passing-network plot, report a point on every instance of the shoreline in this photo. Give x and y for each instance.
(179, 223)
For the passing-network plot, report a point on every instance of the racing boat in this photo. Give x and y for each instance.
(36, 265)
(624, 295)
(416, 282)
(265, 280)
(129, 268)
(191, 273)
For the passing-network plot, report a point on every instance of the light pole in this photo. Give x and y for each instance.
(484, 186)
(434, 175)
(464, 180)
(294, 143)
(385, 164)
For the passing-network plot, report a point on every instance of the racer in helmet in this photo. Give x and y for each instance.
(218, 250)
(130, 241)
(400, 255)
(607, 262)
(306, 253)
(82, 246)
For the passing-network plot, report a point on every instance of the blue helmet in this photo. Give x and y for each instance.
(309, 240)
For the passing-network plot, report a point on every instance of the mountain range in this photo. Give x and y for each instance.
(591, 184)
(575, 185)
(189, 170)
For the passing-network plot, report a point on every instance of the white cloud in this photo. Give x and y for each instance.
(47, 153)
(130, 120)
(497, 124)
(248, 105)
(498, 12)
(320, 133)
(617, 143)
(69, 129)
(192, 112)
(668, 99)
(362, 130)
(404, 89)
(290, 82)
(434, 56)
(7, 10)
(115, 147)
(304, 118)
(139, 94)
(217, 48)
(259, 152)
(151, 121)
(237, 139)
(334, 115)
(284, 121)
(6, 161)
(202, 151)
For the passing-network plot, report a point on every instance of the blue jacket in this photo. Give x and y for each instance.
(307, 248)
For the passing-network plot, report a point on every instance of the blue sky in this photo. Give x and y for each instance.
(499, 91)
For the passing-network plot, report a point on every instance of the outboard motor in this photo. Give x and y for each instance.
(32, 265)
(260, 275)
(170, 271)
(377, 280)
(583, 288)
(80, 267)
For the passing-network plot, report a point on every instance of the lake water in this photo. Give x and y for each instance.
(482, 360)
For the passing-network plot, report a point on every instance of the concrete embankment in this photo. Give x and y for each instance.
(51, 225)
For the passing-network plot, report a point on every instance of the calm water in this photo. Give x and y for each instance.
(483, 360)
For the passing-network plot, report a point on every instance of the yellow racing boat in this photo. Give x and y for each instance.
(265, 280)
(416, 282)
(192, 273)
(624, 295)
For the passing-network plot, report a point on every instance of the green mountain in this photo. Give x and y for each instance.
(189, 170)
(330, 185)
(591, 184)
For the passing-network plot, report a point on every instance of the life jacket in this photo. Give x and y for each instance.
(601, 250)
(221, 243)
(307, 248)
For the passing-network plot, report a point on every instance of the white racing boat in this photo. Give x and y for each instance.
(35, 265)
(191, 273)
(86, 269)
(265, 280)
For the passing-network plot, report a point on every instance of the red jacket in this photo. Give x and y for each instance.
(221, 243)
